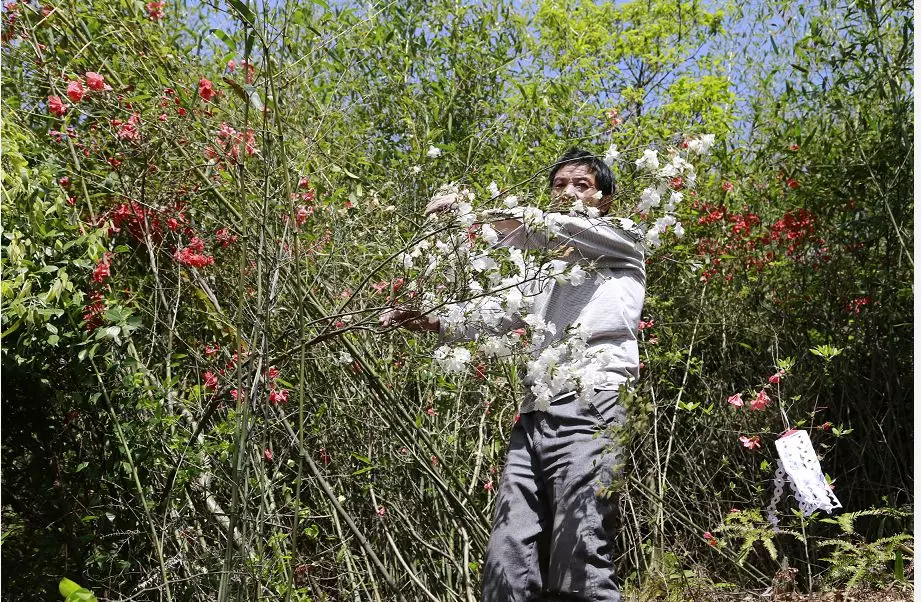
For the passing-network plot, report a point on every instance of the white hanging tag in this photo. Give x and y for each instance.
(799, 461)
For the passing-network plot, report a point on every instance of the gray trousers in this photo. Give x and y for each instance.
(551, 537)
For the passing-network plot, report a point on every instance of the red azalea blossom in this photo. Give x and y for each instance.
(278, 397)
(75, 91)
(431, 412)
(752, 443)
(480, 370)
(775, 378)
(434, 460)
(794, 147)
(325, 458)
(644, 325)
(231, 65)
(210, 381)
(225, 238)
(268, 455)
(727, 186)
(235, 394)
(211, 349)
(56, 106)
(736, 400)
(761, 401)
(381, 511)
(93, 312)
(64, 182)
(857, 305)
(488, 485)
(95, 81)
(192, 255)
(710, 539)
(825, 426)
(155, 10)
(129, 129)
(102, 271)
(303, 183)
(792, 183)
(206, 89)
(379, 286)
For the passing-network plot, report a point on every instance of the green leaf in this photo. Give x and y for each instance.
(224, 38)
(245, 13)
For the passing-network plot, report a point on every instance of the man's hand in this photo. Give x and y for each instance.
(441, 203)
(410, 319)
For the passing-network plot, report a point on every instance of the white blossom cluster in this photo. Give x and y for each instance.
(661, 193)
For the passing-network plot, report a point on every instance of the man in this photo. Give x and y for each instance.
(551, 537)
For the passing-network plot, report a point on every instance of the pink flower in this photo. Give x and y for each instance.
(268, 455)
(56, 106)
(727, 186)
(128, 130)
(761, 401)
(825, 426)
(381, 511)
(231, 65)
(225, 238)
(644, 325)
(155, 10)
(75, 91)
(710, 539)
(235, 394)
(431, 412)
(753, 442)
(210, 380)
(273, 373)
(736, 400)
(774, 379)
(206, 89)
(794, 147)
(95, 81)
(488, 485)
(211, 349)
(303, 183)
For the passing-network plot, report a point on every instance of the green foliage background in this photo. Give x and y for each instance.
(124, 471)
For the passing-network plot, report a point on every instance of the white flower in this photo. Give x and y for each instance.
(489, 234)
(678, 230)
(496, 347)
(649, 161)
(511, 201)
(649, 198)
(702, 145)
(434, 152)
(652, 238)
(493, 190)
(483, 263)
(673, 200)
(611, 155)
(452, 360)
(415, 169)
(344, 358)
(407, 259)
(577, 275)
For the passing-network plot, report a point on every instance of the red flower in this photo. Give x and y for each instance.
(825, 426)
(231, 65)
(101, 272)
(211, 349)
(128, 130)
(644, 325)
(431, 412)
(225, 238)
(56, 106)
(325, 458)
(480, 370)
(273, 373)
(155, 10)
(268, 455)
(710, 539)
(736, 400)
(95, 81)
(775, 378)
(488, 485)
(761, 401)
(792, 183)
(303, 183)
(794, 147)
(64, 182)
(727, 186)
(381, 511)
(278, 397)
(206, 89)
(434, 460)
(75, 91)
(210, 381)
(192, 255)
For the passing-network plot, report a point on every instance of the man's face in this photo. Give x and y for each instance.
(576, 181)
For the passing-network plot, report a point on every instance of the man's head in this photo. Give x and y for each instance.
(581, 175)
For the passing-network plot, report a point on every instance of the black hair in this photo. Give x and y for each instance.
(604, 178)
